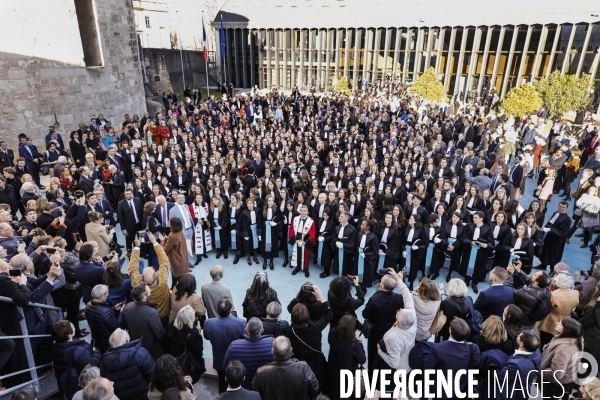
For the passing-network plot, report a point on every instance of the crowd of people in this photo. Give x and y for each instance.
(379, 194)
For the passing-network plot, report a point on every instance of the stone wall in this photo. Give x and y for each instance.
(43, 75)
(166, 64)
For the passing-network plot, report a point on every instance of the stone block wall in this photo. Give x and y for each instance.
(166, 64)
(43, 75)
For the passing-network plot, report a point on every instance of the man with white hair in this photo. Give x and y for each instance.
(162, 213)
(116, 183)
(128, 365)
(8, 240)
(400, 339)
(102, 317)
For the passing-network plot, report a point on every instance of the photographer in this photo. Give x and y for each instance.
(68, 225)
(341, 300)
(152, 227)
(96, 231)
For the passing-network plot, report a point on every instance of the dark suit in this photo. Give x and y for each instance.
(115, 161)
(117, 187)
(239, 394)
(28, 152)
(104, 207)
(163, 219)
(86, 185)
(493, 300)
(452, 356)
(514, 181)
(127, 219)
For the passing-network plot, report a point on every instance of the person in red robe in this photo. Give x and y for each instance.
(303, 236)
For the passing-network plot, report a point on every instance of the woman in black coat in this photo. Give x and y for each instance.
(219, 224)
(346, 352)
(500, 231)
(182, 334)
(315, 308)
(305, 337)
(341, 300)
(150, 223)
(325, 230)
(454, 305)
(258, 297)
(366, 255)
(77, 149)
(413, 243)
(288, 218)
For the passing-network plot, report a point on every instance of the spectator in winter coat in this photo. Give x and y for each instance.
(69, 353)
(102, 318)
(221, 331)
(530, 296)
(254, 350)
(87, 271)
(299, 380)
(142, 321)
(128, 365)
(182, 333)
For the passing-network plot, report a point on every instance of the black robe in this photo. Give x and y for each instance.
(392, 248)
(499, 254)
(485, 236)
(525, 252)
(349, 241)
(437, 255)
(455, 254)
(233, 226)
(554, 241)
(371, 251)
(275, 230)
(287, 218)
(327, 250)
(416, 256)
(224, 223)
(246, 232)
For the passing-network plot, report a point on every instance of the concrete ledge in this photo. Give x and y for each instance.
(210, 373)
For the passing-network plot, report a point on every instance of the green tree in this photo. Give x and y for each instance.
(521, 100)
(342, 86)
(428, 87)
(563, 93)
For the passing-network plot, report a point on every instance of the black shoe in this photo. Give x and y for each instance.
(218, 254)
(285, 262)
(264, 264)
(434, 277)
(324, 275)
(410, 286)
(306, 273)
(204, 255)
(82, 334)
(236, 259)
(294, 272)
(540, 266)
(249, 260)
(198, 259)
(448, 277)
(225, 256)
(271, 266)
(121, 246)
(475, 289)
(256, 261)
(42, 187)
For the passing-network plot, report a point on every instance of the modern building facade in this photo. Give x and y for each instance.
(473, 44)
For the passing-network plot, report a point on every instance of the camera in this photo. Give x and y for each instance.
(79, 194)
(51, 251)
(383, 271)
(108, 228)
(14, 272)
(143, 236)
(308, 288)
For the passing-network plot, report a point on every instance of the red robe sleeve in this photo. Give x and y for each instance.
(311, 240)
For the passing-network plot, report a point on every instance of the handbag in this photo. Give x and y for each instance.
(190, 365)
(368, 324)
(438, 322)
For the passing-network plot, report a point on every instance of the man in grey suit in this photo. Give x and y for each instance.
(234, 375)
(213, 291)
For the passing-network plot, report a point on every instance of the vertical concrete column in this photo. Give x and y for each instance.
(538, 53)
(553, 52)
(461, 57)
(565, 64)
(449, 58)
(584, 48)
(511, 54)
(524, 56)
(498, 55)
(486, 49)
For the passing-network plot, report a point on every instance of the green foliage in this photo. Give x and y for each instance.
(428, 87)
(563, 93)
(342, 86)
(521, 100)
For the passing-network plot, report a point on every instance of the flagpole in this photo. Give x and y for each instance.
(206, 59)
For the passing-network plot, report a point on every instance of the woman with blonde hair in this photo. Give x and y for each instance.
(455, 304)
(96, 231)
(493, 336)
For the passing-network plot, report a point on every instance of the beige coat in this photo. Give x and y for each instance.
(97, 232)
(563, 301)
(176, 250)
(195, 301)
(560, 361)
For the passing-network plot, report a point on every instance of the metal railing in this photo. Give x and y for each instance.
(32, 368)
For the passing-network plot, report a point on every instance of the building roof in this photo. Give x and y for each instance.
(312, 14)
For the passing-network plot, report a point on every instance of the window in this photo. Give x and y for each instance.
(147, 21)
(89, 32)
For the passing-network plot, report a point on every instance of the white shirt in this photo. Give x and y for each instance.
(363, 241)
(496, 231)
(253, 217)
(323, 225)
(554, 218)
(384, 237)
(476, 234)
(453, 231)
(341, 234)
(269, 214)
(411, 233)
